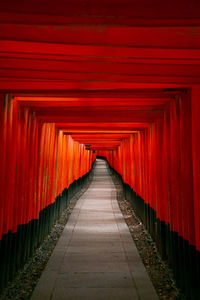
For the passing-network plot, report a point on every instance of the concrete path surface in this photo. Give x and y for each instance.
(95, 257)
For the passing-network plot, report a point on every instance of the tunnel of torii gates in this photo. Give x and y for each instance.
(118, 79)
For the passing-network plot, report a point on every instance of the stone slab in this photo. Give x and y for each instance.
(95, 257)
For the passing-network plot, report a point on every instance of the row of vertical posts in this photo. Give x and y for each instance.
(159, 167)
(38, 165)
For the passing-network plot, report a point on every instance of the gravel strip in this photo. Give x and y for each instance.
(159, 272)
(26, 279)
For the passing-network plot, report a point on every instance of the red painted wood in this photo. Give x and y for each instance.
(109, 74)
(195, 160)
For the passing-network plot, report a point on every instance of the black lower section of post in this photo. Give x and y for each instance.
(16, 248)
(182, 257)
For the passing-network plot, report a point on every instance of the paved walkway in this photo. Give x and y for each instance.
(95, 257)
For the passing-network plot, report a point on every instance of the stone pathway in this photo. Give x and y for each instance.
(95, 257)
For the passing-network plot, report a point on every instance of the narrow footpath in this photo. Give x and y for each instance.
(95, 257)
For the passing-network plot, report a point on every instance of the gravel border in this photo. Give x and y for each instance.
(159, 272)
(22, 286)
(161, 275)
